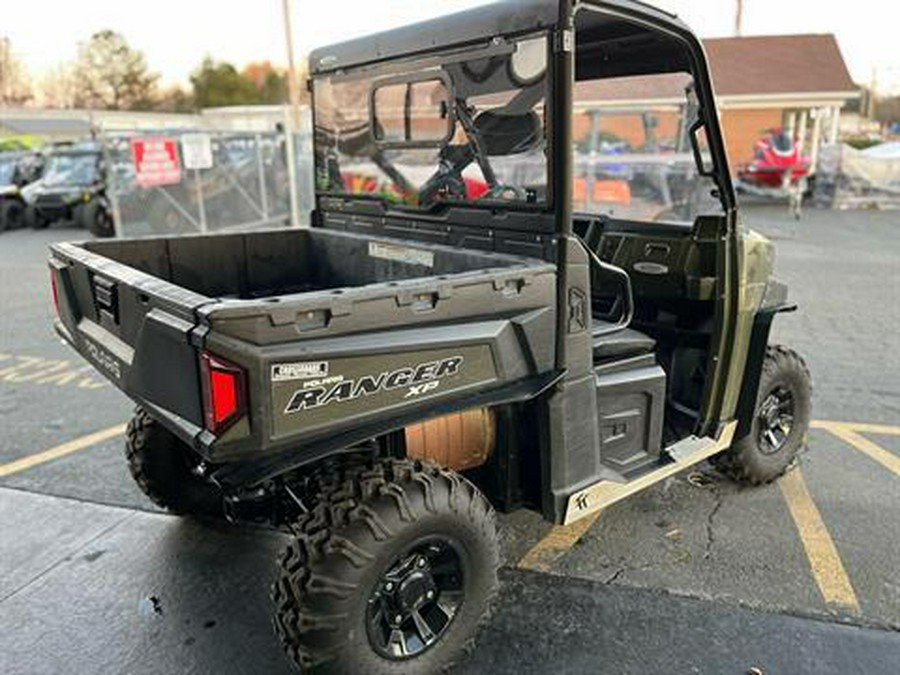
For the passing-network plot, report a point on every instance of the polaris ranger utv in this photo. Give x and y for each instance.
(18, 168)
(450, 337)
(73, 187)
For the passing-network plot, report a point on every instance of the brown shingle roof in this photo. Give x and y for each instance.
(750, 66)
(778, 64)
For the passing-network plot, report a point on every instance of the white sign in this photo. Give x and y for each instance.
(285, 372)
(196, 151)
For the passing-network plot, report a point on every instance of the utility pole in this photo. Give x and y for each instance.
(873, 94)
(293, 84)
(293, 116)
(5, 69)
(739, 18)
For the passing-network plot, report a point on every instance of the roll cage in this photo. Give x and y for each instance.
(585, 40)
(582, 37)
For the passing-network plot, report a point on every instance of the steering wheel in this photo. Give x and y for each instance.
(499, 191)
(445, 183)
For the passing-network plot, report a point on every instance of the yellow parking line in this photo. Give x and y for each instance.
(848, 434)
(827, 568)
(861, 427)
(61, 450)
(556, 543)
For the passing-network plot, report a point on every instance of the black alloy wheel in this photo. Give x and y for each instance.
(775, 420)
(417, 600)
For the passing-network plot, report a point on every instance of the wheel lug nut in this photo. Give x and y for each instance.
(430, 595)
(421, 562)
(389, 586)
(398, 619)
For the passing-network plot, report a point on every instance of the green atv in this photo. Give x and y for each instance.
(72, 188)
(451, 337)
(18, 169)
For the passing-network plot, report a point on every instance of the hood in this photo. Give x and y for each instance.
(69, 193)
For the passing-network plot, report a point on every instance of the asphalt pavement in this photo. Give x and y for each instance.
(695, 575)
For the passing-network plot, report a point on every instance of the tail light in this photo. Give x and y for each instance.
(53, 288)
(224, 392)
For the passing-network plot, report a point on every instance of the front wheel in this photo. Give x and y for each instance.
(390, 573)
(164, 468)
(780, 421)
(94, 217)
(10, 214)
(34, 219)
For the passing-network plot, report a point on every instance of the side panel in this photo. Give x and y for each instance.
(307, 390)
(368, 385)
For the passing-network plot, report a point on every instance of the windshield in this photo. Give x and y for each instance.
(468, 130)
(7, 170)
(634, 158)
(71, 170)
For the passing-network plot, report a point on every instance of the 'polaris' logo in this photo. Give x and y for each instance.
(420, 379)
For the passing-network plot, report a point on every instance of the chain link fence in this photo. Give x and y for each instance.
(247, 184)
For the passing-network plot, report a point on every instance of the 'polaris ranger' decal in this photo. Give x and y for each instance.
(375, 385)
(103, 359)
(418, 380)
(286, 372)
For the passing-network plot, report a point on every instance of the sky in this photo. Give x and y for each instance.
(175, 35)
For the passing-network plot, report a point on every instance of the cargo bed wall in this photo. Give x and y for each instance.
(259, 264)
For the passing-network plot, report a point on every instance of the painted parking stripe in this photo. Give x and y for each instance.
(859, 427)
(37, 370)
(556, 543)
(61, 450)
(850, 433)
(823, 556)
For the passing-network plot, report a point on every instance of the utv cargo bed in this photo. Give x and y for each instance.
(332, 332)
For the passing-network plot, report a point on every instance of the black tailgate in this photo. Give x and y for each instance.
(136, 329)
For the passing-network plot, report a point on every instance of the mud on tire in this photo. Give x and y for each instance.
(161, 465)
(332, 580)
(780, 421)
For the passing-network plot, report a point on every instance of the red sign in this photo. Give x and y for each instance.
(156, 161)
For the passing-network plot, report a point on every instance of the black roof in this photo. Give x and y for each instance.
(472, 25)
(506, 17)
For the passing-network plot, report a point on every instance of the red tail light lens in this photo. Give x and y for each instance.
(224, 401)
(53, 287)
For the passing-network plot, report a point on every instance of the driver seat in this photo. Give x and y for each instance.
(624, 343)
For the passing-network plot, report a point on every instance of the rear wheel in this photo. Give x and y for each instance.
(780, 421)
(10, 214)
(391, 573)
(164, 468)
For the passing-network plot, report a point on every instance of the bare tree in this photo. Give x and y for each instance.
(15, 85)
(110, 74)
(57, 88)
